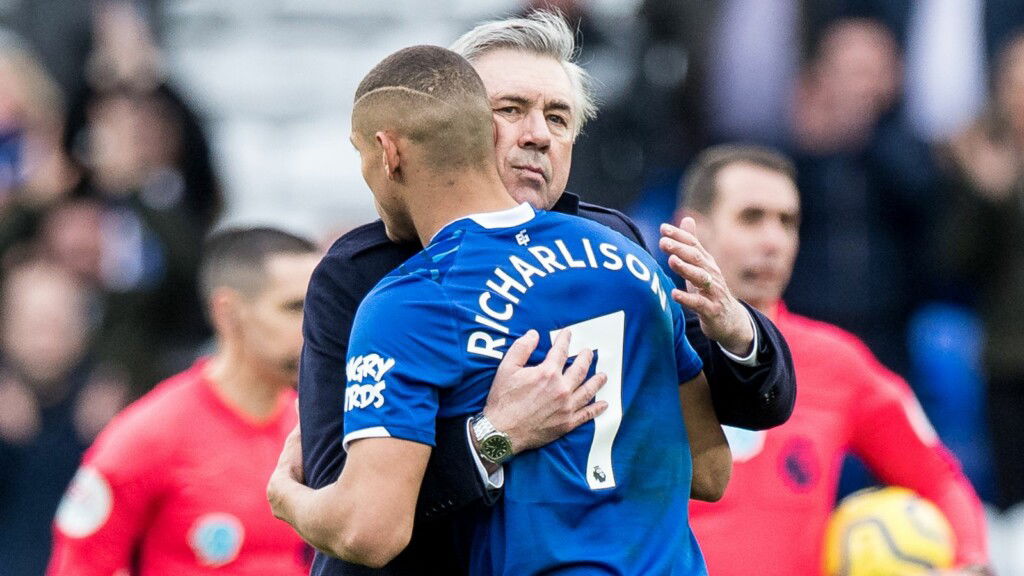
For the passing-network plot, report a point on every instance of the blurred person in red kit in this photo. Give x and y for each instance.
(746, 208)
(176, 484)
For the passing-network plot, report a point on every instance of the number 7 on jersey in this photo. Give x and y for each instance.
(604, 335)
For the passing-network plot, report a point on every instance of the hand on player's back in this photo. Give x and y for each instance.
(538, 404)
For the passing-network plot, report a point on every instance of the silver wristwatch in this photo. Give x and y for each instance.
(494, 445)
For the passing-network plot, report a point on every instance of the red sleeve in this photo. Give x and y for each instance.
(104, 512)
(895, 439)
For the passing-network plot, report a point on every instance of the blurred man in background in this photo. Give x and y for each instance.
(175, 484)
(985, 234)
(747, 211)
(869, 187)
(53, 402)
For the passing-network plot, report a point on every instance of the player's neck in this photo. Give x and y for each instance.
(448, 197)
(769, 308)
(238, 385)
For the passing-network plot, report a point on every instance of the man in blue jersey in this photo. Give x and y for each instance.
(609, 497)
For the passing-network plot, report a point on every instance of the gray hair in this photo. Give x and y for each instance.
(542, 33)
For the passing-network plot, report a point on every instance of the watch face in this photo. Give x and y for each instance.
(496, 448)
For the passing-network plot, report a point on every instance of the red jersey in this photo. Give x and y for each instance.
(771, 521)
(176, 485)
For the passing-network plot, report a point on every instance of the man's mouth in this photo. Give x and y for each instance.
(760, 274)
(533, 170)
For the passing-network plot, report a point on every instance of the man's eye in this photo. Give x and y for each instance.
(560, 121)
(507, 110)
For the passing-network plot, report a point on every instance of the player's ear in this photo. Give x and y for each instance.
(389, 154)
(224, 310)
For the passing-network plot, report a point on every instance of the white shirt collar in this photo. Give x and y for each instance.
(500, 219)
(504, 218)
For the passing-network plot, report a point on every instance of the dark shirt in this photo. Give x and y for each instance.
(33, 476)
(752, 397)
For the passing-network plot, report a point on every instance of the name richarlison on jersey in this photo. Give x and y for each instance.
(540, 261)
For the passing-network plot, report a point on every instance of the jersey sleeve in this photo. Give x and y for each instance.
(688, 363)
(100, 520)
(895, 439)
(403, 353)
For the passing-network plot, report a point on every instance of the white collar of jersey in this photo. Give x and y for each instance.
(501, 219)
(505, 218)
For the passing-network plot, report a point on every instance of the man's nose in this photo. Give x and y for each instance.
(774, 236)
(536, 133)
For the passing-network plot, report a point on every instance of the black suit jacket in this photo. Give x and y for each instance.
(750, 397)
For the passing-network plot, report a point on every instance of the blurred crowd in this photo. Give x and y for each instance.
(106, 191)
(905, 118)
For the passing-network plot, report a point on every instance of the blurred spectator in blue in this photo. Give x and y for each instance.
(34, 171)
(53, 402)
(869, 191)
(984, 238)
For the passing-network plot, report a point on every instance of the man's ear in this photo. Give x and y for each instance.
(390, 156)
(224, 310)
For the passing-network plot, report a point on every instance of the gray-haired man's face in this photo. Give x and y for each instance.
(531, 99)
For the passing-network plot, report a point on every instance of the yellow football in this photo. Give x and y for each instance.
(887, 531)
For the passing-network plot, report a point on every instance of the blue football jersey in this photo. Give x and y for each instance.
(611, 496)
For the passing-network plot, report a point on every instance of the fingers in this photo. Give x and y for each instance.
(685, 244)
(580, 366)
(695, 302)
(590, 412)
(680, 234)
(695, 254)
(291, 455)
(582, 395)
(559, 353)
(699, 278)
(687, 252)
(519, 352)
(689, 225)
